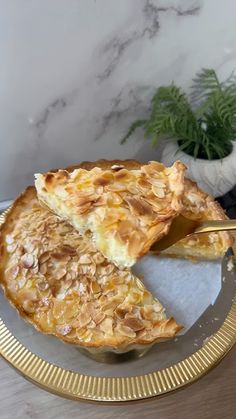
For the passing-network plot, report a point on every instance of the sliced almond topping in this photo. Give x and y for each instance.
(60, 256)
(104, 179)
(122, 311)
(114, 199)
(81, 209)
(84, 319)
(28, 306)
(29, 247)
(9, 239)
(84, 259)
(98, 258)
(133, 323)
(138, 206)
(13, 271)
(43, 285)
(147, 312)
(158, 191)
(58, 274)
(43, 268)
(106, 326)
(11, 248)
(125, 331)
(117, 167)
(91, 325)
(58, 309)
(27, 260)
(63, 329)
(123, 175)
(116, 187)
(68, 250)
(135, 244)
(21, 282)
(99, 317)
(95, 287)
(143, 185)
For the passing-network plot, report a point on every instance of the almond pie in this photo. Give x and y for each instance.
(66, 250)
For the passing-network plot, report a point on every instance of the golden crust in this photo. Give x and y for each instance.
(126, 210)
(204, 207)
(61, 284)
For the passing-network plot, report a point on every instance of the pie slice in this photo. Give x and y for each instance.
(196, 205)
(59, 282)
(125, 210)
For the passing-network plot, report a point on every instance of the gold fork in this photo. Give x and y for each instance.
(182, 227)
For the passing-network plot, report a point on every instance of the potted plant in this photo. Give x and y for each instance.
(200, 131)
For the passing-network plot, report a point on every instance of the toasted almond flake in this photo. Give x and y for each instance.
(68, 277)
(59, 273)
(29, 247)
(27, 260)
(68, 250)
(28, 306)
(158, 191)
(84, 259)
(92, 325)
(95, 287)
(82, 288)
(133, 189)
(9, 239)
(35, 269)
(147, 312)
(99, 317)
(133, 323)
(117, 167)
(123, 175)
(125, 331)
(43, 285)
(113, 199)
(84, 319)
(106, 326)
(138, 206)
(63, 329)
(22, 282)
(73, 275)
(116, 187)
(11, 248)
(43, 268)
(60, 256)
(135, 244)
(124, 229)
(104, 179)
(98, 258)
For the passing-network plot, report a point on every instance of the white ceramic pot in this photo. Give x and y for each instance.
(215, 177)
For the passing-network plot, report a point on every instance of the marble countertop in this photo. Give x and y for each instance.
(75, 74)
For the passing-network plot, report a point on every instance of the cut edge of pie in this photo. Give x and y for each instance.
(126, 209)
(119, 313)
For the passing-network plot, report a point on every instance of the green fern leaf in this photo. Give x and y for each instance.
(133, 127)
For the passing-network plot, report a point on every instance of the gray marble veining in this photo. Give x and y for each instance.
(74, 75)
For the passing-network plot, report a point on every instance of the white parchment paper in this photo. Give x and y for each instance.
(186, 289)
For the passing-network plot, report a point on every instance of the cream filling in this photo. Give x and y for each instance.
(109, 245)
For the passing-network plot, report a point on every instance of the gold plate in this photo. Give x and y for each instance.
(74, 385)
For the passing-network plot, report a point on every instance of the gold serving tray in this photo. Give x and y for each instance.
(74, 385)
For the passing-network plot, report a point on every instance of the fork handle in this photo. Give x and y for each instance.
(217, 225)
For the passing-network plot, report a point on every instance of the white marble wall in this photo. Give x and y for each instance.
(74, 74)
